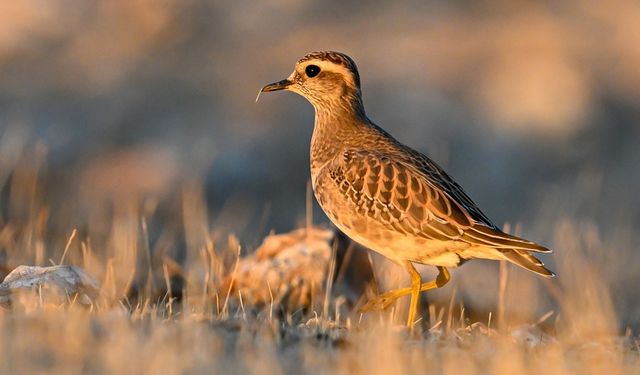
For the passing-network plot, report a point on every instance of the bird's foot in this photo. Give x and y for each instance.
(383, 301)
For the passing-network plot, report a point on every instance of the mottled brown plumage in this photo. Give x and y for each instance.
(385, 195)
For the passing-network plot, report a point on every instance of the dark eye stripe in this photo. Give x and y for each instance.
(312, 70)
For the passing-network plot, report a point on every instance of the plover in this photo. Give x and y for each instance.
(386, 195)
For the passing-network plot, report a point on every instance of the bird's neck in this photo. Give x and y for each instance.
(340, 113)
(344, 108)
(335, 128)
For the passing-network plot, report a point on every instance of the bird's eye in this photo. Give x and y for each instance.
(312, 70)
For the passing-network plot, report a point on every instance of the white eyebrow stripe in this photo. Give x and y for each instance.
(329, 66)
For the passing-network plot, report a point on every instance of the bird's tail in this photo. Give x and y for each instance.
(514, 249)
(527, 261)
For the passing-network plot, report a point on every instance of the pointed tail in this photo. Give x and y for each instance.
(514, 249)
(527, 261)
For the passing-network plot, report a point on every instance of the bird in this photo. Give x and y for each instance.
(387, 196)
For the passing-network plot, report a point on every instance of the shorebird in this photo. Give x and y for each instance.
(387, 196)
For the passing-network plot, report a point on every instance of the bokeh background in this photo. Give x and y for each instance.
(534, 107)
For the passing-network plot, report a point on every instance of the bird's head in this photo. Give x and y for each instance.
(328, 80)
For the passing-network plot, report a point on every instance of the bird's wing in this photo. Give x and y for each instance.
(417, 197)
(483, 231)
(399, 195)
(439, 178)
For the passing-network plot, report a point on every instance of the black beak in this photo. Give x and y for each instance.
(281, 85)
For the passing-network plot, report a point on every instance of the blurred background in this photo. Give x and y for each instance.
(534, 107)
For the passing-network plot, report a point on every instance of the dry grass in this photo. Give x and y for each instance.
(161, 309)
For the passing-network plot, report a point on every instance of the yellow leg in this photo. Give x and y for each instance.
(387, 299)
(416, 280)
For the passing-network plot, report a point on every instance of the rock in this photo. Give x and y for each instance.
(287, 270)
(62, 283)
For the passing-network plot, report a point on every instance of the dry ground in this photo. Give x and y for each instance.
(165, 304)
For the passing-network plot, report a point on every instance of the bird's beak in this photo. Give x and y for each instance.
(280, 85)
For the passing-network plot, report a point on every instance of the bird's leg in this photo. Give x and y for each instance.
(385, 300)
(416, 280)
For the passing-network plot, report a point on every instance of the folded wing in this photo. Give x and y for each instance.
(416, 197)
